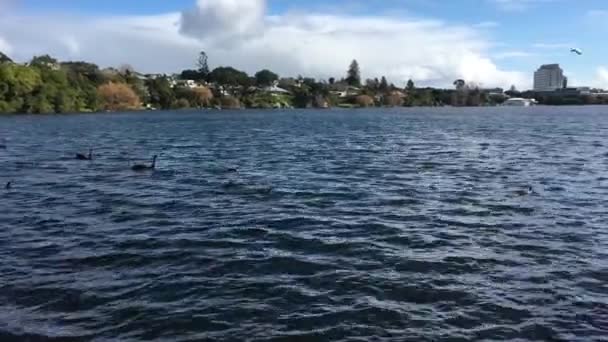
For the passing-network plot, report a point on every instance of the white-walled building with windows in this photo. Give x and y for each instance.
(549, 77)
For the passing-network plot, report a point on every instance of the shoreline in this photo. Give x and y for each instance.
(345, 109)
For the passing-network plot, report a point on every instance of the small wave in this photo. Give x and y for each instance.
(405, 224)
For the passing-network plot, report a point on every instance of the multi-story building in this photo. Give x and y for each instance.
(549, 77)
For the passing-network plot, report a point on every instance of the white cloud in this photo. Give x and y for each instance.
(5, 47)
(149, 42)
(518, 5)
(598, 79)
(513, 54)
(552, 46)
(487, 24)
(224, 20)
(424, 50)
(601, 78)
(72, 45)
(429, 51)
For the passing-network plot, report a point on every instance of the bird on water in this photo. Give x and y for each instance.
(81, 156)
(526, 192)
(8, 185)
(142, 167)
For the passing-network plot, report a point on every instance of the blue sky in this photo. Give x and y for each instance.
(517, 35)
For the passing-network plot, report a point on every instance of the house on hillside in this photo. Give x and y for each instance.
(51, 65)
(493, 91)
(110, 72)
(219, 90)
(186, 84)
(343, 90)
(276, 90)
(145, 77)
(288, 82)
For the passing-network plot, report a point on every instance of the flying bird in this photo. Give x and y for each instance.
(576, 51)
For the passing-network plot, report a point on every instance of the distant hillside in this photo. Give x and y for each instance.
(4, 58)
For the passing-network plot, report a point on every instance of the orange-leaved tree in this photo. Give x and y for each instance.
(118, 96)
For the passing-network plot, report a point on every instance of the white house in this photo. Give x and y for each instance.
(186, 83)
(519, 102)
(276, 90)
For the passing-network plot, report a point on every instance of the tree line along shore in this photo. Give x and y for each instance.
(46, 85)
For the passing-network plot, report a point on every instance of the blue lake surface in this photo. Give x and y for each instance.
(338, 225)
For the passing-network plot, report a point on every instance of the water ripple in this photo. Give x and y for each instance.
(383, 225)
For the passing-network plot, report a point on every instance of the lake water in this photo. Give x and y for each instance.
(361, 225)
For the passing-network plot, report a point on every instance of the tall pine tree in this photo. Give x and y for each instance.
(353, 77)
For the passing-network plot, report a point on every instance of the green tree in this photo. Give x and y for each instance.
(459, 84)
(512, 92)
(138, 85)
(17, 84)
(353, 77)
(83, 78)
(383, 84)
(190, 74)
(264, 78)
(229, 76)
(372, 84)
(44, 61)
(91, 98)
(410, 87)
(161, 93)
(203, 66)
(302, 97)
(57, 94)
(83, 72)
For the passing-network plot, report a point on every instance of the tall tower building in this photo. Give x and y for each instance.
(549, 77)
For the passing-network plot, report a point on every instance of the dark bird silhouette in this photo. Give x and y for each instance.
(525, 192)
(142, 167)
(81, 156)
(8, 185)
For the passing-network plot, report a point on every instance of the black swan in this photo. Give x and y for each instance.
(142, 167)
(81, 156)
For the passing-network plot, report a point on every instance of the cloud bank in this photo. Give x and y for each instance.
(601, 78)
(224, 21)
(5, 46)
(241, 33)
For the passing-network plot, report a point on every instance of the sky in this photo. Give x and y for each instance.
(488, 42)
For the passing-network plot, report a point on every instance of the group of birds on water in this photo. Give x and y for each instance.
(136, 167)
(89, 157)
(143, 167)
